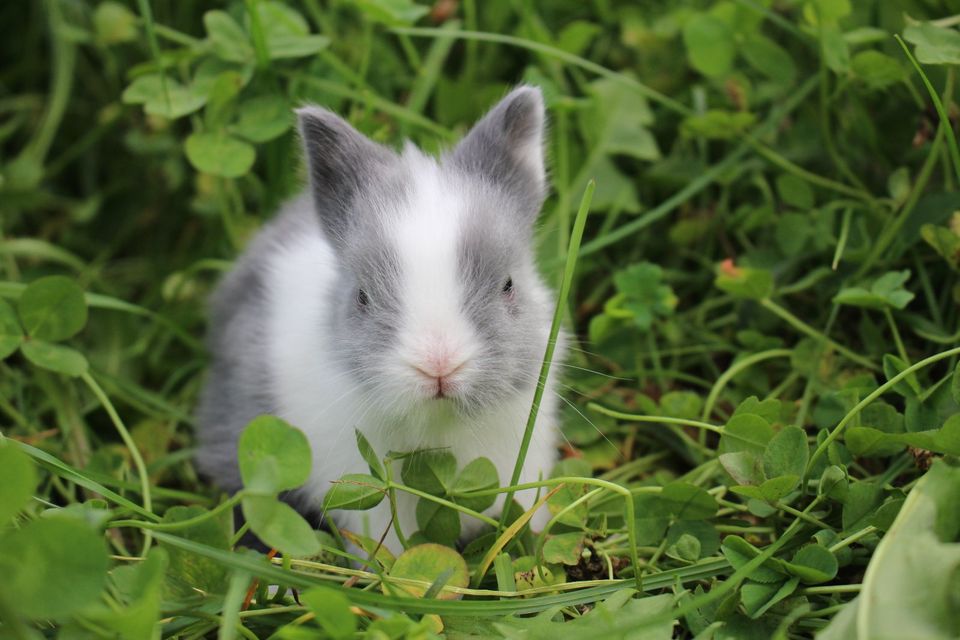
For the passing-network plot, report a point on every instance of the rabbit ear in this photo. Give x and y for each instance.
(340, 160)
(506, 147)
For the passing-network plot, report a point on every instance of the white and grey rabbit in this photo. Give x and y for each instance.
(397, 296)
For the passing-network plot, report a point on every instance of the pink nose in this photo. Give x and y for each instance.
(439, 368)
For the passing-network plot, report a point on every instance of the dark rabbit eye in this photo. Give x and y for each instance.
(362, 297)
(508, 286)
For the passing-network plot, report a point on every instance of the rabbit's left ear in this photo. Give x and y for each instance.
(506, 147)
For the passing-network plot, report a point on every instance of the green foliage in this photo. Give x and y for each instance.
(763, 317)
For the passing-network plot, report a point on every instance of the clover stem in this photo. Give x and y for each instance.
(131, 446)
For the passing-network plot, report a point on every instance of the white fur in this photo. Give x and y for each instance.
(315, 394)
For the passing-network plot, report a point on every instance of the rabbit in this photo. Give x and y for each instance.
(398, 296)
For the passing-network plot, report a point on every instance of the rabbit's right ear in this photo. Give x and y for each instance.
(340, 161)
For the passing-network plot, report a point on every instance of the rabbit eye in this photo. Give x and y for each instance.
(508, 286)
(362, 298)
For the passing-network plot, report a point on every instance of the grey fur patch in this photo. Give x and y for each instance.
(493, 248)
(341, 161)
(506, 148)
(237, 387)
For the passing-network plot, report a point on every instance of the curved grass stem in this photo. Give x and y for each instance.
(879, 391)
(804, 328)
(572, 252)
(733, 370)
(131, 447)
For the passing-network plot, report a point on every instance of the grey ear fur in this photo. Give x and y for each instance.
(340, 160)
(506, 147)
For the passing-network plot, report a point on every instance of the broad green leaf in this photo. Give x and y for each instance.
(745, 467)
(893, 365)
(885, 516)
(230, 41)
(52, 567)
(55, 357)
(619, 616)
(577, 36)
(836, 52)
(746, 432)
(287, 32)
(355, 492)
(565, 496)
(187, 571)
(786, 453)
(372, 548)
(705, 533)
(18, 480)
(770, 490)
(899, 185)
(430, 563)
(861, 501)
(529, 575)
(263, 118)
(868, 442)
(681, 404)
(332, 612)
(478, 475)
(370, 456)
(563, 548)
(769, 58)
(221, 93)
(758, 598)
(793, 233)
(685, 548)
(140, 589)
(614, 189)
(393, 13)
(813, 564)
(877, 70)
(818, 12)
(10, 332)
(886, 291)
(833, 483)
(795, 191)
(430, 471)
(934, 45)
(220, 154)
(909, 589)
(739, 552)
(52, 308)
(163, 97)
(710, 44)
(616, 122)
(643, 295)
(273, 456)
(650, 527)
(279, 526)
(437, 522)
(717, 124)
(685, 501)
(114, 23)
(298, 46)
(769, 409)
(944, 241)
(744, 282)
(143, 89)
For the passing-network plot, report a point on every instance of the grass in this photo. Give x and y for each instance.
(761, 405)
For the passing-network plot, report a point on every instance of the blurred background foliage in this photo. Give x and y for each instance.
(775, 216)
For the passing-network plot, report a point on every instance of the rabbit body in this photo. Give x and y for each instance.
(398, 296)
